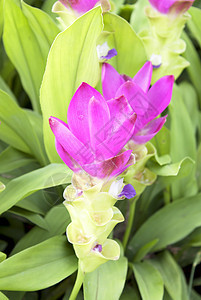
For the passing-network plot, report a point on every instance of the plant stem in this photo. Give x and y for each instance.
(130, 222)
(78, 284)
(195, 263)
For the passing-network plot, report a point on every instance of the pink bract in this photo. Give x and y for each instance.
(168, 6)
(81, 6)
(96, 133)
(146, 102)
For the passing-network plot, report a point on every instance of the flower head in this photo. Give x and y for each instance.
(96, 133)
(146, 102)
(171, 6)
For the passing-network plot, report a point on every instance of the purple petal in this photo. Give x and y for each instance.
(77, 116)
(149, 131)
(67, 159)
(159, 97)
(70, 143)
(98, 248)
(120, 133)
(128, 192)
(111, 81)
(143, 77)
(111, 167)
(137, 99)
(99, 116)
(119, 108)
(111, 53)
(81, 6)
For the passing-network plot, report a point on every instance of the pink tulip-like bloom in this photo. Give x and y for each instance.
(96, 133)
(146, 102)
(80, 6)
(171, 6)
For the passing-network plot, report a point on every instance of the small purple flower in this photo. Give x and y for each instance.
(98, 248)
(171, 6)
(96, 133)
(146, 102)
(127, 192)
(104, 52)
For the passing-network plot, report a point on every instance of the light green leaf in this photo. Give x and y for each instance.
(28, 35)
(1, 17)
(17, 130)
(194, 70)
(198, 167)
(106, 282)
(4, 87)
(149, 281)
(139, 20)
(11, 159)
(127, 43)
(34, 218)
(57, 220)
(73, 62)
(171, 274)
(2, 187)
(2, 256)
(183, 144)
(144, 250)
(170, 224)
(51, 175)
(38, 267)
(194, 23)
(3, 297)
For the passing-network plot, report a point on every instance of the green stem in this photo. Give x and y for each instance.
(195, 263)
(130, 222)
(77, 285)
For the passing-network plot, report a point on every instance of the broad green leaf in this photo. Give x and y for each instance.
(51, 175)
(28, 35)
(139, 20)
(169, 225)
(3, 297)
(2, 256)
(34, 218)
(149, 280)
(11, 159)
(73, 61)
(16, 129)
(127, 43)
(171, 274)
(194, 23)
(183, 144)
(191, 101)
(57, 220)
(198, 167)
(144, 250)
(106, 282)
(4, 87)
(1, 17)
(194, 70)
(38, 267)
(2, 186)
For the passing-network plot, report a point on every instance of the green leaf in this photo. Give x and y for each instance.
(149, 281)
(3, 297)
(34, 218)
(1, 17)
(57, 219)
(169, 225)
(127, 43)
(183, 144)
(28, 35)
(139, 20)
(51, 175)
(2, 256)
(73, 62)
(194, 23)
(38, 267)
(198, 167)
(106, 282)
(130, 293)
(144, 250)
(194, 70)
(4, 87)
(11, 159)
(2, 186)
(171, 274)
(17, 130)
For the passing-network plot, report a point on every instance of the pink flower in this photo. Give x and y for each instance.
(81, 6)
(146, 102)
(171, 6)
(96, 133)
